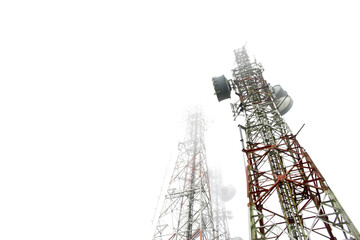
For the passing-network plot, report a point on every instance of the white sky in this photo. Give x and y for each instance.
(92, 95)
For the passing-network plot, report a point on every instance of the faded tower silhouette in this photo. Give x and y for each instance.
(187, 212)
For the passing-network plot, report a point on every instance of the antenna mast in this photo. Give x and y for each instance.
(288, 196)
(187, 211)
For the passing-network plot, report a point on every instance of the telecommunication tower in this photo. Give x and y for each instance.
(288, 196)
(187, 211)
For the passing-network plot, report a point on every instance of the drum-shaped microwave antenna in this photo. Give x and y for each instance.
(279, 91)
(227, 192)
(284, 104)
(282, 100)
(222, 87)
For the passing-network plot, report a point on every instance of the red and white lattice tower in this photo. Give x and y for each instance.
(288, 196)
(187, 212)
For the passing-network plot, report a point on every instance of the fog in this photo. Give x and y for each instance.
(93, 93)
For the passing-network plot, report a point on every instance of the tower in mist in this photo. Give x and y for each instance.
(187, 211)
(288, 196)
(220, 194)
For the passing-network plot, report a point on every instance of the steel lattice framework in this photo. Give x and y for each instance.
(219, 210)
(187, 211)
(288, 196)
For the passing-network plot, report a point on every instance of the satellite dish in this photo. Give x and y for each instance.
(222, 87)
(227, 193)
